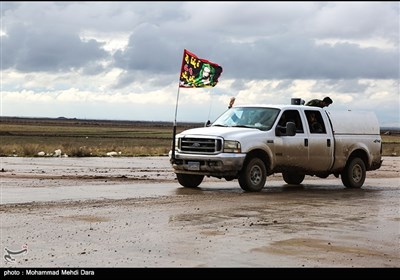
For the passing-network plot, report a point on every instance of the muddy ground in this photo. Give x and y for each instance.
(131, 212)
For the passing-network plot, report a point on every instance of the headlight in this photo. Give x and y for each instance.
(177, 143)
(232, 146)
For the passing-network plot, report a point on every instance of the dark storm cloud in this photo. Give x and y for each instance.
(149, 49)
(271, 41)
(151, 52)
(47, 50)
(276, 58)
(251, 41)
(298, 58)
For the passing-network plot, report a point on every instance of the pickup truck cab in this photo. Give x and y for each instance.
(251, 142)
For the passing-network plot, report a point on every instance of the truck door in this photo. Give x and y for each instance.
(291, 151)
(320, 141)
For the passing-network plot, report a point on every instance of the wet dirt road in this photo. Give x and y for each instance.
(131, 212)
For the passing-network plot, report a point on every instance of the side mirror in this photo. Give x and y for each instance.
(208, 123)
(290, 129)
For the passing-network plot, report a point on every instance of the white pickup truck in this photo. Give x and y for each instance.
(251, 142)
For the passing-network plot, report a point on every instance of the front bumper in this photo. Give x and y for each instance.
(220, 165)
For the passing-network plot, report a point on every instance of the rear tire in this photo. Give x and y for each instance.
(354, 173)
(293, 178)
(253, 175)
(189, 180)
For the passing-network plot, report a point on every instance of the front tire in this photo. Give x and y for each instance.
(189, 180)
(253, 175)
(293, 178)
(354, 173)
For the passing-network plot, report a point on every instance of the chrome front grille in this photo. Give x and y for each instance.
(200, 145)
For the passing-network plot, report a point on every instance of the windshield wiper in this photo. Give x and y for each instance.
(240, 125)
(219, 125)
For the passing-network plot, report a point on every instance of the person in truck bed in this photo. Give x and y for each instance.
(320, 103)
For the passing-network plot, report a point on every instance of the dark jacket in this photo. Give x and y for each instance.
(315, 103)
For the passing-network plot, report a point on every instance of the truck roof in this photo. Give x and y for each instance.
(279, 106)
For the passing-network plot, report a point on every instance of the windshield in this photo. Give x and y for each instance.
(251, 117)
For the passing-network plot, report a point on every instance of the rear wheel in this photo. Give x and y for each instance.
(293, 178)
(189, 180)
(253, 175)
(354, 173)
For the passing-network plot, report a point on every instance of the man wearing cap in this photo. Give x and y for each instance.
(320, 103)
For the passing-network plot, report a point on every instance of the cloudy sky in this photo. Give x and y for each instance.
(121, 60)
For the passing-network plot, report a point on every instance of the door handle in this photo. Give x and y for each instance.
(306, 142)
(328, 142)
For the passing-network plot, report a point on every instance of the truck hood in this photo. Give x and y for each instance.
(228, 133)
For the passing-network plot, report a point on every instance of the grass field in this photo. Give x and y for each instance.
(391, 145)
(86, 138)
(79, 138)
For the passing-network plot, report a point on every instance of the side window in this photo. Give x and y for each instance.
(292, 116)
(315, 121)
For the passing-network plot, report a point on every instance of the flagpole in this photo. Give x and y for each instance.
(209, 113)
(174, 128)
(176, 106)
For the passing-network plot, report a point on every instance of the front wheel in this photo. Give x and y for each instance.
(293, 178)
(189, 180)
(253, 175)
(353, 175)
